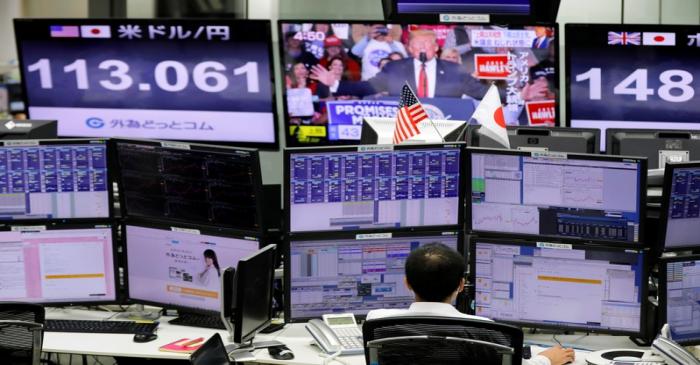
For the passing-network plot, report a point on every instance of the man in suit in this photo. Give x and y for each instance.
(425, 73)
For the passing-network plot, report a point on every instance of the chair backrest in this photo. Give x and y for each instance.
(21, 332)
(426, 340)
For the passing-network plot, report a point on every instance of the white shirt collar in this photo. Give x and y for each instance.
(438, 308)
(430, 70)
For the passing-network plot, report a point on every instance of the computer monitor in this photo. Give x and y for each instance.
(679, 290)
(555, 194)
(658, 146)
(179, 266)
(190, 183)
(560, 285)
(560, 139)
(59, 264)
(680, 207)
(377, 130)
(253, 294)
(631, 76)
(176, 79)
(337, 73)
(55, 179)
(352, 272)
(27, 129)
(373, 187)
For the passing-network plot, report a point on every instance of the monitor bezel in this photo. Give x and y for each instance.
(665, 204)
(197, 148)
(372, 149)
(265, 38)
(165, 225)
(512, 22)
(644, 305)
(391, 11)
(240, 276)
(109, 164)
(611, 135)
(663, 293)
(472, 134)
(642, 161)
(59, 226)
(360, 236)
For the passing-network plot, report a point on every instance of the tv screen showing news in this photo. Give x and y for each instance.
(180, 267)
(632, 76)
(588, 197)
(560, 286)
(353, 274)
(54, 179)
(336, 74)
(373, 187)
(203, 80)
(52, 265)
(190, 183)
(512, 7)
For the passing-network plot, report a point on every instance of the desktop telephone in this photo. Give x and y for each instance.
(670, 351)
(337, 333)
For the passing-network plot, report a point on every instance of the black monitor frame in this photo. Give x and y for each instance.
(37, 129)
(612, 140)
(643, 327)
(665, 205)
(663, 291)
(360, 237)
(111, 172)
(473, 136)
(166, 225)
(577, 156)
(540, 10)
(36, 26)
(371, 148)
(197, 148)
(267, 253)
(58, 226)
(403, 21)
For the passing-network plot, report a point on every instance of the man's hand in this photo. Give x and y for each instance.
(538, 90)
(558, 355)
(322, 75)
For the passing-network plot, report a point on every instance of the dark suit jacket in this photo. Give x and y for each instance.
(452, 80)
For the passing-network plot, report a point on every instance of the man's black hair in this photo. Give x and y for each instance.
(434, 271)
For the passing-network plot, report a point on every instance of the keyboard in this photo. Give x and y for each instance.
(198, 320)
(69, 325)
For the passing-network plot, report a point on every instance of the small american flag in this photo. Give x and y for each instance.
(625, 38)
(410, 113)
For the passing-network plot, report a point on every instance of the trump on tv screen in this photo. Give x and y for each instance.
(336, 74)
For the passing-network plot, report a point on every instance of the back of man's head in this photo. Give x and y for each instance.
(434, 272)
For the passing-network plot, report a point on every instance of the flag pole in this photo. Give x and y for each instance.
(426, 113)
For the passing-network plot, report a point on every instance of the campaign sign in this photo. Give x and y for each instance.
(541, 112)
(491, 66)
(345, 116)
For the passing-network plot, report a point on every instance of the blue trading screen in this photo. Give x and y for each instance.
(521, 7)
(683, 300)
(553, 196)
(683, 208)
(54, 181)
(384, 189)
(347, 275)
(555, 285)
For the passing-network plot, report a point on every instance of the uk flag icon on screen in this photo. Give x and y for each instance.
(625, 38)
(64, 31)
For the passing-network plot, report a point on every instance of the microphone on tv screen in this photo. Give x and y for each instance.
(422, 57)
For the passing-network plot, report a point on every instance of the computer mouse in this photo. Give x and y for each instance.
(145, 337)
(280, 352)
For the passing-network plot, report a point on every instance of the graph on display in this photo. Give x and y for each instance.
(508, 218)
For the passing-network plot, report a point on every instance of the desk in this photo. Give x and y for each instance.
(294, 336)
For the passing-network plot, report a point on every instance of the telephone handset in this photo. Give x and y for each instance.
(337, 333)
(670, 351)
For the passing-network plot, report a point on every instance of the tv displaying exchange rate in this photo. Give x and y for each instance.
(204, 80)
(633, 76)
(337, 74)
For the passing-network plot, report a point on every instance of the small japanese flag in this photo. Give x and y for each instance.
(489, 114)
(659, 39)
(95, 31)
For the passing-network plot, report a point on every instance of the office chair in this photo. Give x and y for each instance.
(21, 333)
(419, 340)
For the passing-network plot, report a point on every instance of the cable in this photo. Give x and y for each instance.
(554, 338)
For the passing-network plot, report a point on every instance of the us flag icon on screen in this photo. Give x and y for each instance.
(64, 31)
(95, 31)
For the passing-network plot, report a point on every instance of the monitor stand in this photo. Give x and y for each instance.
(242, 353)
(139, 313)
